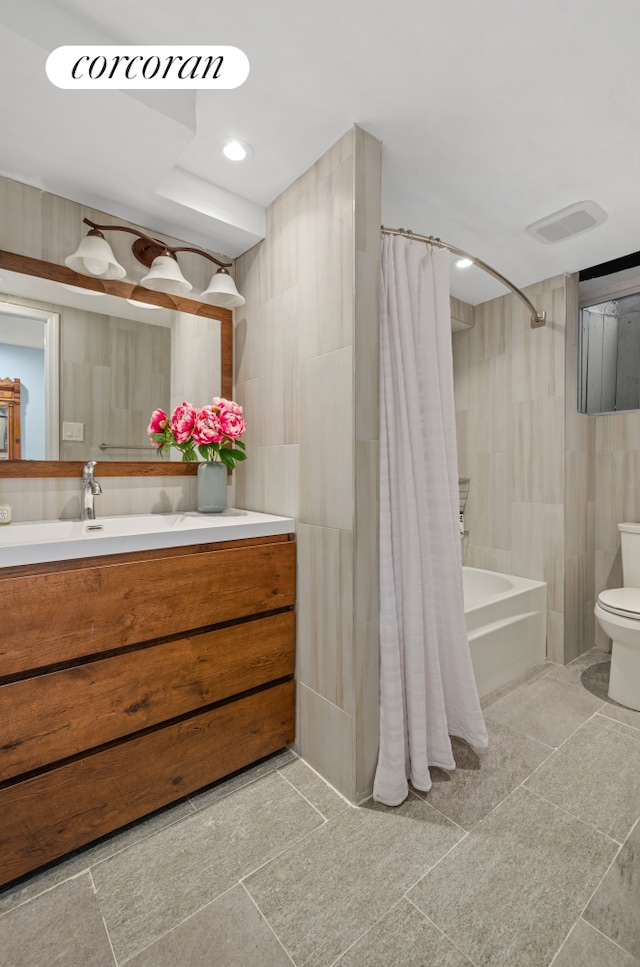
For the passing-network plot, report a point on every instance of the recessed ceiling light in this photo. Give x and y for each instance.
(235, 150)
(464, 263)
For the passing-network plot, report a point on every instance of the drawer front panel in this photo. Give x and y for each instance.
(60, 810)
(57, 617)
(60, 714)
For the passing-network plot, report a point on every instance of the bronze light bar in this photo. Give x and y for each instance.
(94, 257)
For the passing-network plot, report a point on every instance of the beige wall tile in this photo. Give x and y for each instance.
(538, 463)
(278, 370)
(367, 346)
(281, 479)
(59, 497)
(577, 471)
(324, 302)
(489, 558)
(21, 223)
(327, 264)
(460, 345)
(324, 660)
(578, 629)
(367, 697)
(326, 440)
(555, 637)
(366, 531)
(324, 739)
(368, 186)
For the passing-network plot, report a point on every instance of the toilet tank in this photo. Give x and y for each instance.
(630, 547)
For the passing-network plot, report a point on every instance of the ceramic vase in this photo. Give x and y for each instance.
(212, 487)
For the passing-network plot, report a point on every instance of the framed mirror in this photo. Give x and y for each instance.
(112, 352)
(609, 342)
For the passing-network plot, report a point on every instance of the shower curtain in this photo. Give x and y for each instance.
(427, 685)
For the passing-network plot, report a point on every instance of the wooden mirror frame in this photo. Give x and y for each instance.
(126, 290)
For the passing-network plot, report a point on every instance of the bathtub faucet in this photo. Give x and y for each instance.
(90, 489)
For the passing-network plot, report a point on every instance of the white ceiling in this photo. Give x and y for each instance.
(491, 115)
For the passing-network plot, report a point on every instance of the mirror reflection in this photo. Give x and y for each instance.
(610, 356)
(93, 367)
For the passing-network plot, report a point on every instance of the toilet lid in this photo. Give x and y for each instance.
(623, 601)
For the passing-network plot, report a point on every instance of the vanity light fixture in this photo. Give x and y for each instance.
(94, 257)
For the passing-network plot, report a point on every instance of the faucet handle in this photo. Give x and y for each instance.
(87, 470)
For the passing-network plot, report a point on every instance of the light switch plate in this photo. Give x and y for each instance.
(73, 431)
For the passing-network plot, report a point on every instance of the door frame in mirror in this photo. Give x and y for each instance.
(12, 262)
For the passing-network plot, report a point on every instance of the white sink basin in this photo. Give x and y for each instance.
(34, 542)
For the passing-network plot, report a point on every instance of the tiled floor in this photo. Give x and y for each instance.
(528, 855)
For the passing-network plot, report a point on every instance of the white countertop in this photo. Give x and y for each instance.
(36, 542)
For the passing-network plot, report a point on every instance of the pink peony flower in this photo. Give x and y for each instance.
(208, 426)
(157, 424)
(232, 423)
(182, 422)
(220, 403)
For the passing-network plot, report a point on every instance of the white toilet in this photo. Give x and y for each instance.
(618, 613)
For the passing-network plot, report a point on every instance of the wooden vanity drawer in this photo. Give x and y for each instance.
(50, 814)
(131, 680)
(50, 618)
(53, 716)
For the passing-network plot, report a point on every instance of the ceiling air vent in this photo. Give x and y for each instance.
(568, 222)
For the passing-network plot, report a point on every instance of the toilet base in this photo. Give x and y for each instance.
(624, 679)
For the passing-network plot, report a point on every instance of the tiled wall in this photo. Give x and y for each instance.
(510, 401)
(579, 578)
(617, 494)
(45, 226)
(113, 373)
(549, 485)
(306, 355)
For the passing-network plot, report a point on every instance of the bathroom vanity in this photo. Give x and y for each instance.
(128, 680)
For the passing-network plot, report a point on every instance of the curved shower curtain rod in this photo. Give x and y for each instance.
(538, 319)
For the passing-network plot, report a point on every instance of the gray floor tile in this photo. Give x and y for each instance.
(229, 932)
(61, 927)
(588, 671)
(83, 859)
(403, 938)
(309, 784)
(591, 672)
(596, 756)
(617, 726)
(545, 709)
(585, 947)
(509, 894)
(322, 895)
(152, 887)
(538, 671)
(484, 778)
(225, 787)
(615, 908)
(621, 714)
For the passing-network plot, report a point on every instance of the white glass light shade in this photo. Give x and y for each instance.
(222, 292)
(95, 257)
(165, 276)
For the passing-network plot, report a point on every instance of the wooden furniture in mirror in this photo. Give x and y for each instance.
(15, 467)
(9, 419)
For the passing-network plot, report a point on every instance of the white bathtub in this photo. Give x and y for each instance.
(506, 619)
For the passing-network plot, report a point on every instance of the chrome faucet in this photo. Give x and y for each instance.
(90, 489)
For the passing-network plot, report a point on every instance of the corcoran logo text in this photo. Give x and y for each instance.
(129, 68)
